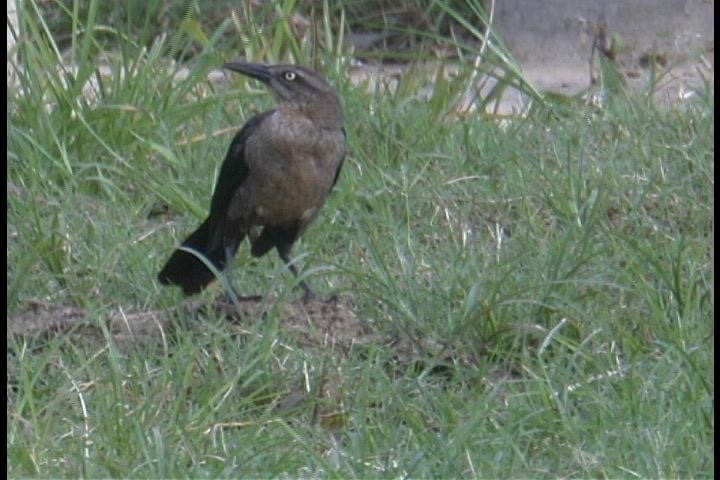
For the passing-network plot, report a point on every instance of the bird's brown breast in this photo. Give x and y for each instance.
(292, 167)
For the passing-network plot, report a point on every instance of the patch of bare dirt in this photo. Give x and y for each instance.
(318, 323)
(45, 320)
(314, 323)
(330, 326)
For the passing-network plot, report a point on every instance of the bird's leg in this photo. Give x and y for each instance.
(284, 254)
(229, 254)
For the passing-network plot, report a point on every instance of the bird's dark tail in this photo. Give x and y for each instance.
(187, 270)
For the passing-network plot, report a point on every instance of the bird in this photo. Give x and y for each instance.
(277, 174)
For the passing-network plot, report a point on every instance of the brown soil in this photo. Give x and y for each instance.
(326, 327)
(328, 321)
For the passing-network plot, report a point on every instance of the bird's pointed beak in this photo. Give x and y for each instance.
(257, 71)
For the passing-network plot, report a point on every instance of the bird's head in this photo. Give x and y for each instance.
(295, 85)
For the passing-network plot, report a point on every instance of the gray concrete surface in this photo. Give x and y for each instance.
(552, 31)
(552, 39)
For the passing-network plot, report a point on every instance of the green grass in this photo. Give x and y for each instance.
(553, 273)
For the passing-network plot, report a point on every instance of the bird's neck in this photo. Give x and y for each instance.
(325, 113)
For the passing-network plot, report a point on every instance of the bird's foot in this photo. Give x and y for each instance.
(309, 295)
(232, 297)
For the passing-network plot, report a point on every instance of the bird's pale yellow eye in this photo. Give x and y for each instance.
(290, 76)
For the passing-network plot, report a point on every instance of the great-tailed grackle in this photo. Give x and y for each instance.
(277, 175)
